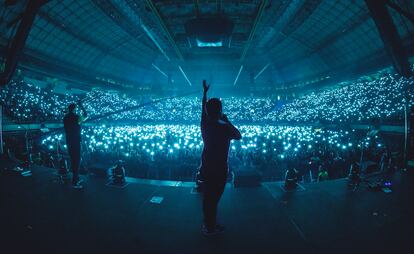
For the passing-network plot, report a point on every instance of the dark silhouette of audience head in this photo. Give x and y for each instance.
(214, 108)
(72, 107)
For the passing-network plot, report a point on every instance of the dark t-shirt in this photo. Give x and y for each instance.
(216, 137)
(72, 128)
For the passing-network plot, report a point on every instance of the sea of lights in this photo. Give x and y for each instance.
(281, 141)
(350, 102)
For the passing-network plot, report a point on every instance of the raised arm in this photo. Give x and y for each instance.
(84, 115)
(203, 109)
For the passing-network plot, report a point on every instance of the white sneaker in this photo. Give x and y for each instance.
(78, 185)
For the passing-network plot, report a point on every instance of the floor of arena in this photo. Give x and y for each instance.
(40, 214)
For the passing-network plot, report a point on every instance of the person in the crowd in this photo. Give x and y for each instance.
(322, 173)
(71, 123)
(291, 178)
(216, 131)
(116, 174)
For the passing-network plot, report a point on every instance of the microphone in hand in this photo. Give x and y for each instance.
(224, 118)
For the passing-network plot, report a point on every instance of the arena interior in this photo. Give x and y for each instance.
(320, 90)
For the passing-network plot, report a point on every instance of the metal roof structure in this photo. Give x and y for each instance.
(145, 41)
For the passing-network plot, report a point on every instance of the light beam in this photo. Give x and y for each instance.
(158, 69)
(260, 72)
(238, 74)
(185, 76)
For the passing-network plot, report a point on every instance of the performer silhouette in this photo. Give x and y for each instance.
(71, 123)
(216, 131)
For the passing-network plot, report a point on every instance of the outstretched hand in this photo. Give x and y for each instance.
(205, 86)
(82, 107)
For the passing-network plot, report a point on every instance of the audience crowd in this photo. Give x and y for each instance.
(162, 139)
(173, 151)
(349, 102)
(360, 101)
(29, 103)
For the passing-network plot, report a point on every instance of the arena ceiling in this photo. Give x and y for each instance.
(145, 41)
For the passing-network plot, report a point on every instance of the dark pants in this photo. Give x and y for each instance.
(74, 153)
(213, 189)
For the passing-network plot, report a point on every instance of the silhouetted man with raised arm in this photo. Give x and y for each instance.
(71, 123)
(217, 131)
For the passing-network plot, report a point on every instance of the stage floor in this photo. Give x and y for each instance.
(39, 213)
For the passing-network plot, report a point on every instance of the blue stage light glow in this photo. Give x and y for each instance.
(209, 44)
